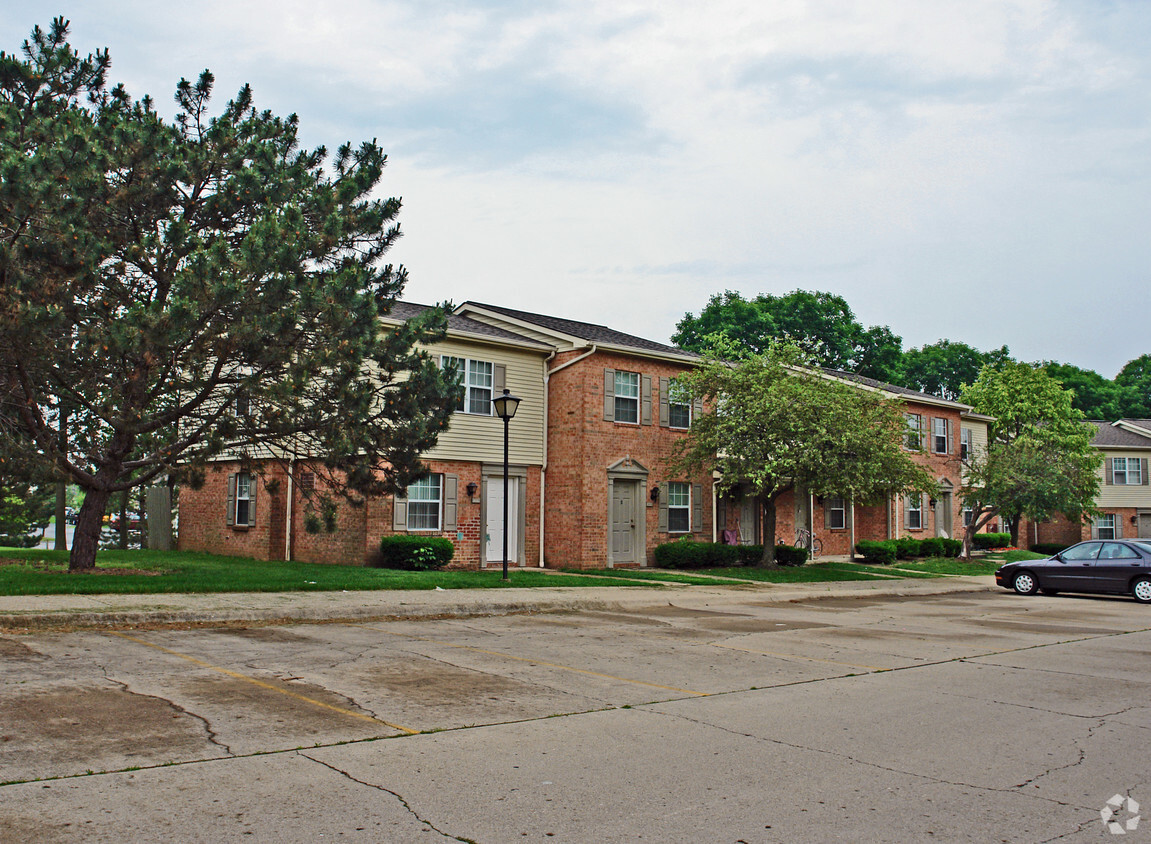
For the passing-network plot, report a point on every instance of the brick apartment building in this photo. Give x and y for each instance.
(589, 481)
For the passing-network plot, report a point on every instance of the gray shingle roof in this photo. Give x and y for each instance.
(1108, 435)
(587, 331)
(407, 310)
(889, 388)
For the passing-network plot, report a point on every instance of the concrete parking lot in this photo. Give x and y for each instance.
(977, 717)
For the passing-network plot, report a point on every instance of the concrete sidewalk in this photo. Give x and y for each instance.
(39, 612)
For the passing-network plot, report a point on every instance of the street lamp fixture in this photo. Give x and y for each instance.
(505, 407)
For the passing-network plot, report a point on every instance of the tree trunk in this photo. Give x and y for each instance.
(768, 558)
(124, 520)
(1013, 524)
(86, 539)
(61, 516)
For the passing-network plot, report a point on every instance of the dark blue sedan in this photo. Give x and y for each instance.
(1101, 566)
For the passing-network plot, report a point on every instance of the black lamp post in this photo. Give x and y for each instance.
(506, 406)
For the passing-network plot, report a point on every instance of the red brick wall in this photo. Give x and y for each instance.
(581, 447)
(203, 515)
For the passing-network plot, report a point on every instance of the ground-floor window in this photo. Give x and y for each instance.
(241, 500)
(678, 508)
(424, 498)
(1105, 526)
(967, 516)
(915, 513)
(836, 514)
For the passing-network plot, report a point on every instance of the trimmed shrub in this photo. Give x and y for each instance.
(1049, 548)
(952, 547)
(992, 540)
(880, 553)
(789, 555)
(415, 553)
(906, 548)
(19, 540)
(931, 547)
(750, 555)
(686, 554)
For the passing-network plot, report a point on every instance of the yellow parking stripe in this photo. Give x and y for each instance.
(796, 656)
(237, 675)
(538, 662)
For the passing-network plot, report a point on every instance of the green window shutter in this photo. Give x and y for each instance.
(1094, 529)
(451, 502)
(697, 507)
(950, 436)
(826, 512)
(645, 399)
(1108, 475)
(1118, 526)
(906, 510)
(400, 512)
(609, 395)
(231, 517)
(1143, 469)
(253, 483)
(848, 513)
(664, 383)
(696, 409)
(663, 508)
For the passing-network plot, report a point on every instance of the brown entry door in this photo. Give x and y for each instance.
(623, 527)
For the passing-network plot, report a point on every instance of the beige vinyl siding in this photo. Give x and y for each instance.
(475, 437)
(1111, 496)
(978, 438)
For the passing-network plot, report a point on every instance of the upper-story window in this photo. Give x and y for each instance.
(965, 443)
(678, 405)
(1126, 471)
(627, 397)
(940, 441)
(477, 378)
(913, 439)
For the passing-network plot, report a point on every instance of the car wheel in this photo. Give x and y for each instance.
(1051, 592)
(1025, 583)
(1141, 589)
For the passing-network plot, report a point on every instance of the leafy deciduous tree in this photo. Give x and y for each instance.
(776, 425)
(942, 368)
(1039, 460)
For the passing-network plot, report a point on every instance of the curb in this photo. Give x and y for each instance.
(355, 607)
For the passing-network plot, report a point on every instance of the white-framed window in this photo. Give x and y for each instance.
(913, 440)
(1105, 526)
(940, 445)
(967, 516)
(1126, 471)
(965, 443)
(678, 507)
(836, 514)
(425, 503)
(243, 405)
(678, 405)
(915, 512)
(627, 397)
(243, 498)
(477, 378)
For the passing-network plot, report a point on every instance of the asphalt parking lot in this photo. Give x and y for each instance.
(968, 717)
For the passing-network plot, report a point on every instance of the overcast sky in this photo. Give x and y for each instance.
(979, 171)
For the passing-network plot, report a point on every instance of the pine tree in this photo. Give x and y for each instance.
(157, 276)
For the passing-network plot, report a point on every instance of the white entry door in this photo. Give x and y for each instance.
(494, 529)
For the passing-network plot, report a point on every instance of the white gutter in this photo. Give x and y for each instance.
(544, 469)
(288, 527)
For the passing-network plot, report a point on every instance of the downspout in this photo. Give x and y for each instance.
(544, 469)
(288, 525)
(851, 550)
(714, 512)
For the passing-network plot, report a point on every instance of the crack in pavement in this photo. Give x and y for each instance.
(213, 738)
(399, 797)
(856, 761)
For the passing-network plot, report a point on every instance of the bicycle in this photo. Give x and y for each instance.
(805, 539)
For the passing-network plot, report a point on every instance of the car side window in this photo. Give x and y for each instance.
(1116, 551)
(1086, 551)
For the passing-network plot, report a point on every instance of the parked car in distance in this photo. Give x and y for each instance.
(1100, 566)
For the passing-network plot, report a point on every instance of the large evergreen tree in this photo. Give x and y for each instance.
(191, 289)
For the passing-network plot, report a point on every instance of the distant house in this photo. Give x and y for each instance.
(1124, 501)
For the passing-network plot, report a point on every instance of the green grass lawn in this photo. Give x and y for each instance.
(646, 574)
(950, 565)
(36, 572)
(810, 573)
